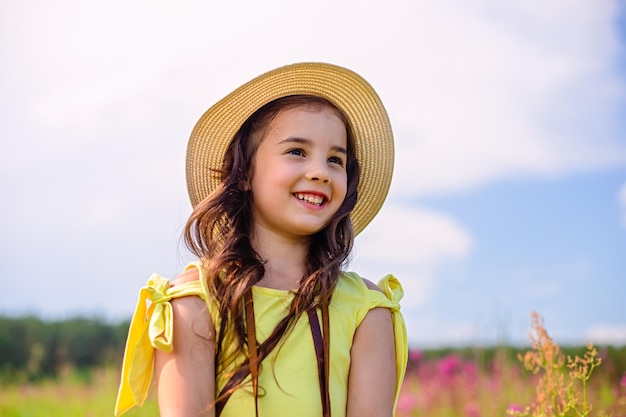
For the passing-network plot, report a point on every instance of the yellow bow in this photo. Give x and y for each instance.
(151, 327)
(392, 289)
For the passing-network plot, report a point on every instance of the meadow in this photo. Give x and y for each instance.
(540, 380)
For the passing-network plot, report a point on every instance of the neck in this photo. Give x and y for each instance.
(285, 259)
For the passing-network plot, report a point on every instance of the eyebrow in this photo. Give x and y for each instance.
(309, 142)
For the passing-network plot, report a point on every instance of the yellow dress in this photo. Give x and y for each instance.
(288, 381)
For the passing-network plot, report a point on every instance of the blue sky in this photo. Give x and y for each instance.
(509, 191)
(553, 246)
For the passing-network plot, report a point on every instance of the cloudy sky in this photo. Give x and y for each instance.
(509, 193)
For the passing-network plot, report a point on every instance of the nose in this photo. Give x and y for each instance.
(318, 171)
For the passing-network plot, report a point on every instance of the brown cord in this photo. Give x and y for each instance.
(322, 352)
(252, 348)
(326, 330)
(258, 353)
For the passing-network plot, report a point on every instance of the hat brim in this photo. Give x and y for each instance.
(345, 89)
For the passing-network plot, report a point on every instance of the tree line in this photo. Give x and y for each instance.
(31, 348)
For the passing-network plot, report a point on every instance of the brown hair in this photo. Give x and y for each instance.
(218, 230)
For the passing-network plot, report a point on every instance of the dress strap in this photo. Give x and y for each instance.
(252, 348)
(322, 352)
(256, 354)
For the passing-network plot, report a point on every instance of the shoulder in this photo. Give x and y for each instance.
(353, 295)
(187, 300)
(353, 282)
(370, 285)
(189, 290)
(192, 309)
(190, 274)
(362, 293)
(192, 318)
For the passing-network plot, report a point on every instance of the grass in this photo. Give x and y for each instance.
(74, 394)
(540, 382)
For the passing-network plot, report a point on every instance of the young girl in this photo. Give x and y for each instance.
(282, 174)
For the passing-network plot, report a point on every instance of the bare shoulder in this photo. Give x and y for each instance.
(191, 312)
(187, 275)
(371, 384)
(370, 285)
(185, 375)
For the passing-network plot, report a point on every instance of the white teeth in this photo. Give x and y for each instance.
(313, 199)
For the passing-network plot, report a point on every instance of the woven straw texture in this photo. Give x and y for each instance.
(345, 89)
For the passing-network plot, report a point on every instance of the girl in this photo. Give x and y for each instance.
(282, 174)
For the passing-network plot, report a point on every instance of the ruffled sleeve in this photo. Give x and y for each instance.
(151, 328)
(390, 298)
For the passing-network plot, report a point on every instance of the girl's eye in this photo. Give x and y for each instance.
(336, 160)
(298, 152)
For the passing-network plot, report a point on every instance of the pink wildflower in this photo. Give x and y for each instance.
(470, 371)
(449, 365)
(406, 403)
(471, 410)
(415, 355)
(514, 408)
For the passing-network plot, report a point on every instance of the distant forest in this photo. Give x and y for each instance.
(31, 348)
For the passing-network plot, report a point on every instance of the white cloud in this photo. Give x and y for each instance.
(607, 334)
(500, 92)
(412, 244)
(478, 91)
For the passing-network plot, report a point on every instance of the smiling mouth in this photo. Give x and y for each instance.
(316, 200)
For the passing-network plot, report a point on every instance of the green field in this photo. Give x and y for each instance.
(77, 394)
(463, 383)
(71, 369)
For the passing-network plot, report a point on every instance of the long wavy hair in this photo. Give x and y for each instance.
(219, 228)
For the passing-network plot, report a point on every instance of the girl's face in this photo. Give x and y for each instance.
(299, 176)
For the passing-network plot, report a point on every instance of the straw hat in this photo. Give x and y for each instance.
(348, 91)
